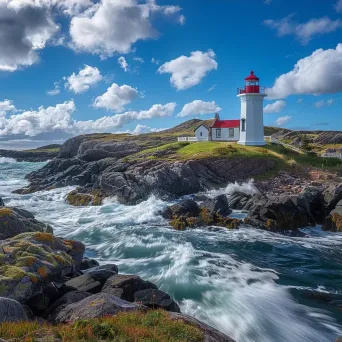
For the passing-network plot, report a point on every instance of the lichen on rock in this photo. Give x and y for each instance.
(31, 259)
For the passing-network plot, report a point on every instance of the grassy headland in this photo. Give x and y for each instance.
(156, 326)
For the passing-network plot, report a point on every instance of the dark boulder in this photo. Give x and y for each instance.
(15, 221)
(332, 195)
(88, 263)
(92, 281)
(125, 286)
(315, 199)
(111, 268)
(217, 205)
(186, 208)
(156, 299)
(281, 214)
(95, 306)
(2, 203)
(238, 200)
(11, 311)
(52, 311)
(333, 221)
(38, 303)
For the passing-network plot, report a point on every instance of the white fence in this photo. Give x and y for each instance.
(332, 155)
(192, 139)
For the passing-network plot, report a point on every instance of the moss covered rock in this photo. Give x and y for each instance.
(14, 221)
(79, 199)
(29, 260)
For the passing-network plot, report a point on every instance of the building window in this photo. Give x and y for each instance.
(218, 133)
(201, 134)
(231, 132)
(243, 125)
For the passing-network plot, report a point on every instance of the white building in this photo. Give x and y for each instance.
(249, 130)
(219, 130)
(252, 112)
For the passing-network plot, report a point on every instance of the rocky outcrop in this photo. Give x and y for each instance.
(72, 297)
(96, 150)
(14, 221)
(100, 165)
(283, 214)
(238, 201)
(2, 203)
(11, 311)
(173, 180)
(212, 212)
(30, 260)
(156, 299)
(92, 281)
(95, 306)
(186, 208)
(42, 154)
(329, 138)
(218, 205)
(333, 221)
(125, 286)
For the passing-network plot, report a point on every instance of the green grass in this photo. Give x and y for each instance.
(50, 150)
(153, 326)
(304, 159)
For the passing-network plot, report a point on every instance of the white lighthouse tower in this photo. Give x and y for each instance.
(252, 112)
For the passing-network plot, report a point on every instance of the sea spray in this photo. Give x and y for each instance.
(5, 160)
(239, 281)
(247, 188)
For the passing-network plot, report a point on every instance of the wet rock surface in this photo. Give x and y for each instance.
(14, 221)
(95, 306)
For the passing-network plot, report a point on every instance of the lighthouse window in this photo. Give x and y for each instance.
(243, 125)
(218, 133)
(231, 132)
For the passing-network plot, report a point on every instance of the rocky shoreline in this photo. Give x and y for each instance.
(108, 168)
(47, 279)
(41, 154)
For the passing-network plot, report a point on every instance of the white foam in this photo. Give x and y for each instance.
(5, 160)
(247, 188)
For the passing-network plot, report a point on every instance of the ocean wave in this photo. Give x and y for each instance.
(5, 160)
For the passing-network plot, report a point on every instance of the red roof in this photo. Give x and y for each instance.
(252, 77)
(226, 124)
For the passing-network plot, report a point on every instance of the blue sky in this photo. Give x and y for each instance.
(206, 46)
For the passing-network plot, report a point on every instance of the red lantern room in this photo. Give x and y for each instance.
(251, 85)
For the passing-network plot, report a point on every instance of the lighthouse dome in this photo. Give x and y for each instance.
(252, 77)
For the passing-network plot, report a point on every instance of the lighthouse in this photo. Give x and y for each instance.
(252, 112)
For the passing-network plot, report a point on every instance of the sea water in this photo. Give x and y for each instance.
(248, 283)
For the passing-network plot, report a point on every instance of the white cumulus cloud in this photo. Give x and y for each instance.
(116, 97)
(111, 27)
(187, 72)
(143, 129)
(275, 107)
(304, 32)
(24, 31)
(6, 106)
(320, 73)
(199, 107)
(31, 123)
(86, 78)
(283, 120)
(108, 123)
(123, 63)
(58, 120)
